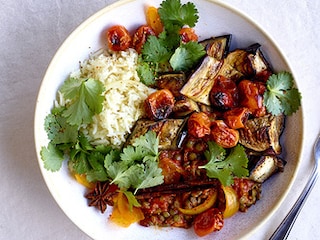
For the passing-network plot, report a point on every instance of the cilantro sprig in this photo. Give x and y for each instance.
(281, 96)
(173, 13)
(223, 167)
(167, 51)
(86, 99)
(137, 165)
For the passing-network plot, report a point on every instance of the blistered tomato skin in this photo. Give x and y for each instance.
(188, 34)
(140, 37)
(159, 104)
(251, 97)
(224, 94)
(236, 117)
(199, 124)
(208, 222)
(223, 135)
(118, 38)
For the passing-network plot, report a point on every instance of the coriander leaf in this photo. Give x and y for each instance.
(150, 177)
(59, 131)
(93, 91)
(145, 73)
(174, 13)
(186, 56)
(154, 50)
(70, 87)
(112, 156)
(103, 149)
(131, 154)
(78, 112)
(148, 142)
(291, 101)
(85, 99)
(118, 172)
(215, 152)
(131, 200)
(98, 172)
(237, 160)
(84, 143)
(137, 165)
(281, 96)
(79, 163)
(225, 168)
(52, 157)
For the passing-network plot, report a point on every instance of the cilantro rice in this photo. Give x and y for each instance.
(124, 95)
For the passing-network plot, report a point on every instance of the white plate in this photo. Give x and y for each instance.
(216, 18)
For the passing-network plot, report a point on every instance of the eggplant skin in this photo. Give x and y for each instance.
(168, 131)
(263, 133)
(172, 81)
(184, 106)
(217, 47)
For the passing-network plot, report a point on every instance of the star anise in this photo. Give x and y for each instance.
(101, 195)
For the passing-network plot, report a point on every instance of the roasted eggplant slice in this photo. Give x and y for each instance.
(257, 59)
(184, 106)
(217, 47)
(263, 133)
(172, 81)
(167, 130)
(266, 167)
(236, 65)
(169, 133)
(201, 81)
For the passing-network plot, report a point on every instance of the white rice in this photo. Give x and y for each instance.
(124, 95)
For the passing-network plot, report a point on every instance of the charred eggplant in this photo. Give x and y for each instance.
(263, 133)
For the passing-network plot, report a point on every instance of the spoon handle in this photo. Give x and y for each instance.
(284, 228)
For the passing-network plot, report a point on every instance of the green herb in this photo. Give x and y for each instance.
(223, 167)
(167, 52)
(133, 202)
(186, 56)
(137, 165)
(58, 129)
(52, 157)
(281, 96)
(85, 97)
(173, 13)
(155, 50)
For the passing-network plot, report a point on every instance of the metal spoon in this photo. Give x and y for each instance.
(284, 228)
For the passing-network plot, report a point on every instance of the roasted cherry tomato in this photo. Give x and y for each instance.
(199, 124)
(224, 93)
(208, 222)
(118, 38)
(153, 20)
(188, 34)
(251, 97)
(171, 168)
(159, 104)
(231, 201)
(223, 135)
(140, 37)
(236, 117)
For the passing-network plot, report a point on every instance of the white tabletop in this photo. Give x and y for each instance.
(31, 32)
